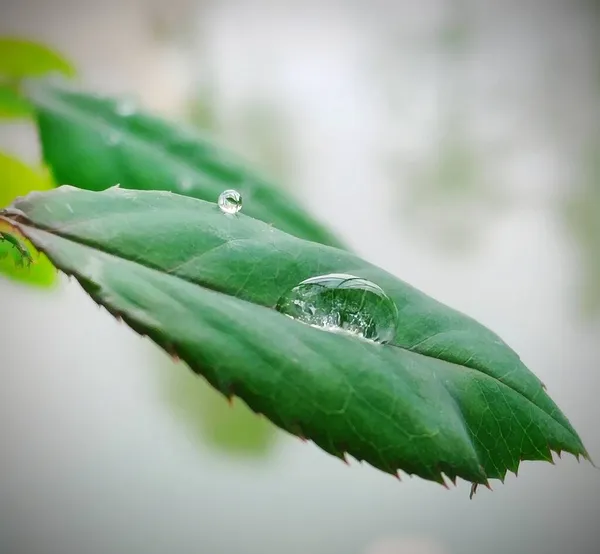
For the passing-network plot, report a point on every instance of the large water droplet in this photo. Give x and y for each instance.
(342, 303)
(230, 201)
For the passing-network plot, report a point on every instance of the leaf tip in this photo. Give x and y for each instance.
(586, 456)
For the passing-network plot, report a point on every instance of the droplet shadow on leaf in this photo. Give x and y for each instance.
(211, 419)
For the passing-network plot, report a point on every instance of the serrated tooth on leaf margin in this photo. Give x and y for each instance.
(473, 490)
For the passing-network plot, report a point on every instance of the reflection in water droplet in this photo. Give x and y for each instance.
(230, 201)
(339, 302)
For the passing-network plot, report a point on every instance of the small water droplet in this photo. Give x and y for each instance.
(230, 201)
(186, 184)
(339, 302)
(113, 138)
(126, 107)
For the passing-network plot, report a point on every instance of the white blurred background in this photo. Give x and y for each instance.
(454, 143)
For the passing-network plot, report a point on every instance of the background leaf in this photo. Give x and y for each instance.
(21, 58)
(96, 142)
(17, 179)
(210, 418)
(446, 396)
(12, 104)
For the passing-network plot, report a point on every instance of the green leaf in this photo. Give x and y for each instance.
(16, 179)
(96, 142)
(21, 58)
(446, 396)
(12, 105)
(228, 426)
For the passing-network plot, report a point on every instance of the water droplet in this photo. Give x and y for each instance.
(126, 107)
(113, 138)
(230, 201)
(342, 303)
(186, 184)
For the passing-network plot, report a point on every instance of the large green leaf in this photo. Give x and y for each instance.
(446, 396)
(21, 58)
(17, 179)
(95, 142)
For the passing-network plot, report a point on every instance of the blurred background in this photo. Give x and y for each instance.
(455, 143)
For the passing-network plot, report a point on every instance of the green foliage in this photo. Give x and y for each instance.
(20, 58)
(18, 179)
(446, 396)
(230, 427)
(24, 256)
(12, 104)
(96, 142)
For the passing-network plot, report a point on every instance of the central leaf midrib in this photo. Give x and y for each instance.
(24, 219)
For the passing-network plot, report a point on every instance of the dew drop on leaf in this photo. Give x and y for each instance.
(186, 184)
(113, 138)
(126, 107)
(230, 201)
(339, 302)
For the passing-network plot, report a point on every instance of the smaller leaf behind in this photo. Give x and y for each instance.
(228, 426)
(94, 142)
(12, 104)
(18, 179)
(21, 58)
